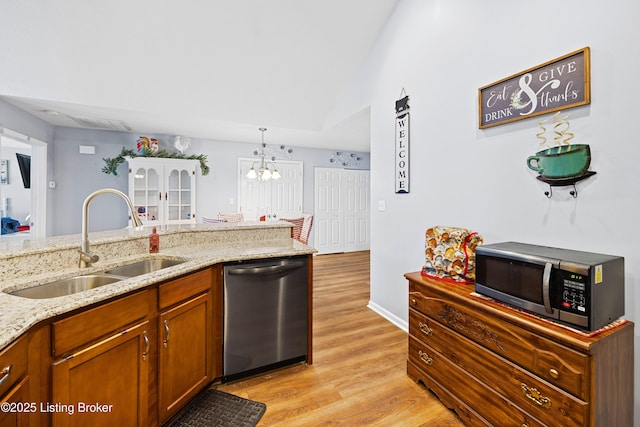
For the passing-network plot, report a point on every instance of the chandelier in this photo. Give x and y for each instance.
(266, 169)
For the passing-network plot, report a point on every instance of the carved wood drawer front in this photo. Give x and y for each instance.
(530, 393)
(94, 323)
(496, 409)
(560, 365)
(13, 364)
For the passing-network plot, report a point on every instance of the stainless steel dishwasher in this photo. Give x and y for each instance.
(265, 315)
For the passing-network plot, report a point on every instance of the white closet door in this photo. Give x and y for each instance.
(341, 220)
(356, 212)
(281, 198)
(328, 224)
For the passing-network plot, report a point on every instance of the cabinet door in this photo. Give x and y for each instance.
(179, 195)
(20, 407)
(105, 384)
(185, 354)
(163, 190)
(145, 192)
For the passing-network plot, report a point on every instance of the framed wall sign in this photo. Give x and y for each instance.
(555, 85)
(402, 144)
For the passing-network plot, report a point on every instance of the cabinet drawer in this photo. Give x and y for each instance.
(90, 325)
(469, 417)
(178, 290)
(496, 409)
(13, 364)
(560, 365)
(533, 395)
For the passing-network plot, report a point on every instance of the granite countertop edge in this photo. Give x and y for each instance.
(18, 315)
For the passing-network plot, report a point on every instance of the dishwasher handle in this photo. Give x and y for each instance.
(263, 270)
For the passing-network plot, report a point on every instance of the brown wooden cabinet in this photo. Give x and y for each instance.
(14, 385)
(497, 366)
(100, 375)
(104, 384)
(185, 352)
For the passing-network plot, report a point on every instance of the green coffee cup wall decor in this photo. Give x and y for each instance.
(563, 161)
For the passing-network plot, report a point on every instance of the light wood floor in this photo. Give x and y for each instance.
(358, 376)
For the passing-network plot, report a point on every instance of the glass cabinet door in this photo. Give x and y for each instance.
(179, 207)
(146, 194)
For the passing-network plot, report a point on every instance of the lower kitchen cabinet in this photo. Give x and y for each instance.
(104, 384)
(24, 367)
(184, 356)
(103, 359)
(185, 353)
(20, 407)
(497, 366)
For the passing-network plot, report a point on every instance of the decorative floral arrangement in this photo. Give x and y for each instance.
(111, 164)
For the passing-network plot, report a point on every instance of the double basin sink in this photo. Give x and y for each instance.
(85, 282)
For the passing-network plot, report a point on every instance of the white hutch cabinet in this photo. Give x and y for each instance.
(163, 191)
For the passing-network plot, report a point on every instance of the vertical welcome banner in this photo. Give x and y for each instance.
(402, 145)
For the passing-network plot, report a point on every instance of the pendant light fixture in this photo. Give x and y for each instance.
(265, 170)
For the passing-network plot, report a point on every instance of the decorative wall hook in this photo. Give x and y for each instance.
(564, 182)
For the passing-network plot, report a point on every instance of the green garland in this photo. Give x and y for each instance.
(111, 164)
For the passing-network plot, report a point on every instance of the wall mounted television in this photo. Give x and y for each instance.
(24, 162)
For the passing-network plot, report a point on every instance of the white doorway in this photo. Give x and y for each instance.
(23, 196)
(274, 198)
(342, 213)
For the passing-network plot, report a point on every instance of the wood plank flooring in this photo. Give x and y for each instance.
(358, 376)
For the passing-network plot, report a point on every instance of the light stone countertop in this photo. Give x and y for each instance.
(201, 245)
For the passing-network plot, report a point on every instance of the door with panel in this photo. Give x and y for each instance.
(341, 216)
(106, 383)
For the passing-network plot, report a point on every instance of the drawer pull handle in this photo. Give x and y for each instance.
(534, 395)
(167, 332)
(425, 357)
(425, 329)
(146, 345)
(554, 374)
(413, 301)
(6, 373)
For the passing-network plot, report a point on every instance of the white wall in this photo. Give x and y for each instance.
(441, 52)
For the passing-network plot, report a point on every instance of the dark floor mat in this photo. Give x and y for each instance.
(218, 409)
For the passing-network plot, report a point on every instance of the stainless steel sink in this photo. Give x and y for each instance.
(143, 267)
(68, 286)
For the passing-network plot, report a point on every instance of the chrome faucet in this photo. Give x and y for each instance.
(86, 257)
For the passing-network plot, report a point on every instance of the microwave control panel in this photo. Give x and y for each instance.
(575, 290)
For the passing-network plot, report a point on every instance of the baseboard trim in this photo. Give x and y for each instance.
(400, 323)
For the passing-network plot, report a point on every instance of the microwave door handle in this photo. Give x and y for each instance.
(546, 278)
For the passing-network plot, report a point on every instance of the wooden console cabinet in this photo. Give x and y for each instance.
(496, 366)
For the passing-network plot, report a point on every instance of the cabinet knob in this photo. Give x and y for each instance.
(554, 374)
(413, 301)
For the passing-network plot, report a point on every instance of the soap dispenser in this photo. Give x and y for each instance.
(154, 242)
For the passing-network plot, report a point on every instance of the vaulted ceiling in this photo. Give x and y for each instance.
(208, 69)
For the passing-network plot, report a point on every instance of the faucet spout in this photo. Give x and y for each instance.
(86, 258)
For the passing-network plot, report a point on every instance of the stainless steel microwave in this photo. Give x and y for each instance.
(580, 289)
